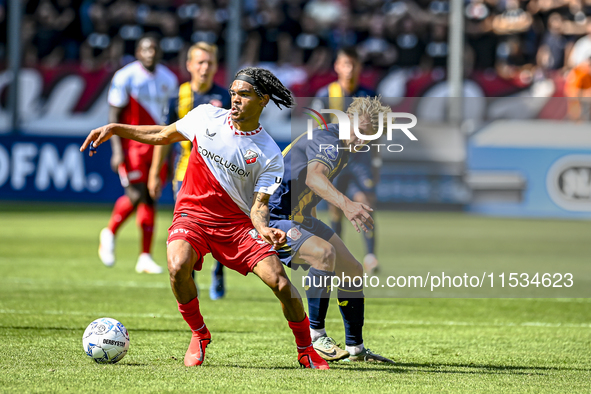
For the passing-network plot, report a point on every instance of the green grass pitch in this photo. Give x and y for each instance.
(52, 285)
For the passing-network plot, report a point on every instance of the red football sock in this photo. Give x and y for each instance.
(121, 211)
(145, 219)
(192, 315)
(301, 332)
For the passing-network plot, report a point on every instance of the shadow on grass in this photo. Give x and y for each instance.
(42, 206)
(445, 368)
(438, 368)
(453, 368)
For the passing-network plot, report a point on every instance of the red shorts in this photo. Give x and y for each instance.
(136, 169)
(238, 246)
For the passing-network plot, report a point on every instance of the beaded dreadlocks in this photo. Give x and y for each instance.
(267, 83)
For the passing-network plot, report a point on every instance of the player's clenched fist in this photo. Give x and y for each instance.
(273, 236)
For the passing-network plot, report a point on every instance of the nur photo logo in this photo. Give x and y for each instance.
(344, 124)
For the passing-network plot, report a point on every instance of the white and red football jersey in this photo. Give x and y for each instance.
(142, 95)
(226, 167)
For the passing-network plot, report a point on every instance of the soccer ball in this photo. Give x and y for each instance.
(105, 340)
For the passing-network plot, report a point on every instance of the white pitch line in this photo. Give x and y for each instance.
(277, 319)
(89, 283)
(76, 313)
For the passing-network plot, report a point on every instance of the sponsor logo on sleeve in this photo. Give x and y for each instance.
(330, 151)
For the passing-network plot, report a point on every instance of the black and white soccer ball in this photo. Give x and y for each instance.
(106, 340)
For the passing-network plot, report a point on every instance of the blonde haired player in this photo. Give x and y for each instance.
(310, 167)
(359, 180)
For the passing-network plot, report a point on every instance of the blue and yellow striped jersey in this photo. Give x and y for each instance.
(293, 199)
(181, 105)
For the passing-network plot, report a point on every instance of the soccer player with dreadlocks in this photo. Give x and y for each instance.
(202, 64)
(222, 207)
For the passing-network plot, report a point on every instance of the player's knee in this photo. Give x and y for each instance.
(178, 267)
(273, 283)
(278, 282)
(283, 284)
(325, 258)
(358, 268)
(329, 258)
(354, 268)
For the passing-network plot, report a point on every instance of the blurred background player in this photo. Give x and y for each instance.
(202, 64)
(138, 95)
(360, 177)
(578, 88)
(310, 167)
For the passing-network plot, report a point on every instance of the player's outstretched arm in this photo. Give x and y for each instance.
(357, 213)
(259, 215)
(153, 135)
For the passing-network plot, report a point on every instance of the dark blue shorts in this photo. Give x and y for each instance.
(357, 176)
(297, 234)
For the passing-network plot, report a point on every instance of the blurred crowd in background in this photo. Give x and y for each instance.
(511, 38)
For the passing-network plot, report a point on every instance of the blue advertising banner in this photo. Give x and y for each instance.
(531, 168)
(34, 168)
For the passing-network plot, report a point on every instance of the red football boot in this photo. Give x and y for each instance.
(196, 352)
(308, 358)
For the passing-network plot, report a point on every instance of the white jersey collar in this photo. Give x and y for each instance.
(243, 133)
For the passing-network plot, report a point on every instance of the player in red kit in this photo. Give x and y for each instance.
(138, 95)
(223, 205)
